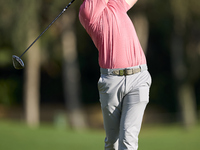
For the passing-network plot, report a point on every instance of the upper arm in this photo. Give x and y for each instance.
(131, 2)
(91, 9)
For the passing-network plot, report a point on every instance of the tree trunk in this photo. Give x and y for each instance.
(142, 28)
(188, 105)
(71, 73)
(184, 89)
(32, 69)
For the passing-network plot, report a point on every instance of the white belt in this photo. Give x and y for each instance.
(124, 71)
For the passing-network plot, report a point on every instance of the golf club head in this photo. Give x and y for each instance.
(17, 62)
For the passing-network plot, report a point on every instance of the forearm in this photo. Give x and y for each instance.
(131, 2)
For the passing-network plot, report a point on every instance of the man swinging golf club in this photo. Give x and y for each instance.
(124, 83)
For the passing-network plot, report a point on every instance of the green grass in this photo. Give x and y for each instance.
(169, 138)
(17, 136)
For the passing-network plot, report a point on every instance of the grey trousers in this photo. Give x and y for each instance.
(123, 101)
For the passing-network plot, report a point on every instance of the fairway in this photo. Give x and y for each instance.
(169, 138)
(17, 136)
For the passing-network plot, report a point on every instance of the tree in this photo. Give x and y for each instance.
(32, 69)
(71, 73)
(142, 28)
(184, 74)
(141, 23)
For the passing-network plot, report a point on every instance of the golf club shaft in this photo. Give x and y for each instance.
(47, 27)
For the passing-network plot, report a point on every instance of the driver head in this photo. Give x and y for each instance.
(17, 62)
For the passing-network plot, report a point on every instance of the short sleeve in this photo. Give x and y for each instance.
(90, 10)
(126, 5)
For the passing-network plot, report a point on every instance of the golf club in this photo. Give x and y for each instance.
(17, 61)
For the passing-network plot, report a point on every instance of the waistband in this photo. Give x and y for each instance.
(124, 71)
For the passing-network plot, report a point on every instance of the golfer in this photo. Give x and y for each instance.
(124, 83)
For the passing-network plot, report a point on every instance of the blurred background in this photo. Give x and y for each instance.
(58, 85)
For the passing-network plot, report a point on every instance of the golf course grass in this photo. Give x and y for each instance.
(17, 136)
(171, 137)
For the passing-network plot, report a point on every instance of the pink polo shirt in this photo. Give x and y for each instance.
(112, 32)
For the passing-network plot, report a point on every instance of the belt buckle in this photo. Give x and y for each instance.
(121, 72)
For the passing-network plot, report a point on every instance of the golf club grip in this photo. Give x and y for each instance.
(47, 28)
